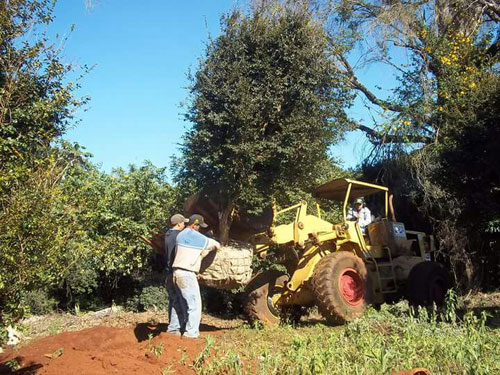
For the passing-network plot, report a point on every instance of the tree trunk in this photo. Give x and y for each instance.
(225, 221)
(470, 274)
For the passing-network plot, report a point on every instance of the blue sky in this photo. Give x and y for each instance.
(142, 52)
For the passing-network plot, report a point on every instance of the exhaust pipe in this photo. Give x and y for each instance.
(391, 207)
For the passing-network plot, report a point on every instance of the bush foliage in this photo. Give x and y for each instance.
(38, 302)
(149, 297)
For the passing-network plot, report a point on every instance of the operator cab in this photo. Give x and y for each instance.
(379, 234)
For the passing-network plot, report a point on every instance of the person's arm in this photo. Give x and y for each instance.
(170, 248)
(213, 245)
(209, 247)
(351, 214)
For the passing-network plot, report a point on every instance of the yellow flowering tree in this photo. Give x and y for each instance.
(439, 51)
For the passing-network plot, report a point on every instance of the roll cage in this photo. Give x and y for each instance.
(345, 189)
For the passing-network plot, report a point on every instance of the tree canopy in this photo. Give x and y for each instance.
(440, 51)
(266, 104)
(36, 102)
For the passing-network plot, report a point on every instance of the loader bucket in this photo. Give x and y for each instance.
(244, 225)
(157, 242)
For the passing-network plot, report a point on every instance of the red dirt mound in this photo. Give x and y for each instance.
(143, 349)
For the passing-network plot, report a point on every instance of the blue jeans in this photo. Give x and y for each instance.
(176, 317)
(187, 283)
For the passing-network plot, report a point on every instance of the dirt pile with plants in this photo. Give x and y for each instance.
(124, 343)
(104, 350)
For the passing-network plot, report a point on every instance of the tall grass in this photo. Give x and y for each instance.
(394, 338)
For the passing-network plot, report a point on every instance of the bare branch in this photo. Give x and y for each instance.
(378, 138)
(369, 95)
(491, 9)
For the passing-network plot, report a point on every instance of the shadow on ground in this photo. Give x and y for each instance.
(9, 368)
(143, 331)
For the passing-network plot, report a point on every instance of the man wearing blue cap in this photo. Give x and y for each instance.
(192, 246)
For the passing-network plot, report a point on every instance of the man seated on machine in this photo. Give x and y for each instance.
(361, 214)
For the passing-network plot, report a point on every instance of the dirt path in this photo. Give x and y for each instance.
(141, 348)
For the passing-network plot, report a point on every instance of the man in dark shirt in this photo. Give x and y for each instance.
(176, 320)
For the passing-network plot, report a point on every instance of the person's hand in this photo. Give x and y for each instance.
(216, 245)
(356, 215)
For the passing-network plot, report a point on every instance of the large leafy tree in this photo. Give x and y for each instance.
(266, 104)
(36, 105)
(38, 228)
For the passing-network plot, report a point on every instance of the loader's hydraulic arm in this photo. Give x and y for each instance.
(299, 231)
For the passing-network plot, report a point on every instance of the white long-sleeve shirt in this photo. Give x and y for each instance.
(365, 217)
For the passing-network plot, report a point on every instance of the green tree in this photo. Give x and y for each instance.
(114, 211)
(131, 203)
(36, 102)
(266, 104)
(39, 228)
(36, 105)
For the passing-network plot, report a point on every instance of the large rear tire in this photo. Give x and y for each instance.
(339, 286)
(260, 290)
(427, 284)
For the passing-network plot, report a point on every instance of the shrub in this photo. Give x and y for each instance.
(83, 278)
(151, 297)
(227, 303)
(39, 302)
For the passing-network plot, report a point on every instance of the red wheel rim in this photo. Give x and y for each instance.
(351, 287)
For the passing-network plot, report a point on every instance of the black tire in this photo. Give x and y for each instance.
(339, 286)
(293, 314)
(259, 291)
(427, 284)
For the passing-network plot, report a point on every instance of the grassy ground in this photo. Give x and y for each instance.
(393, 338)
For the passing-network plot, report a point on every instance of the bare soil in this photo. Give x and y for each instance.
(120, 343)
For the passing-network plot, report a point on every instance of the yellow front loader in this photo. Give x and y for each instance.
(340, 267)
